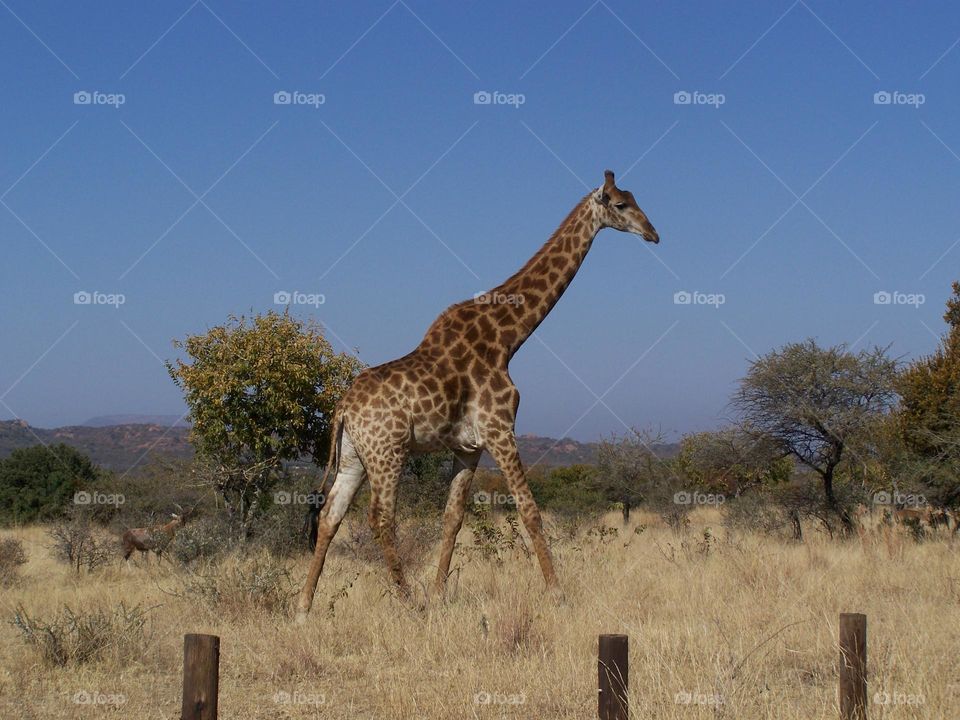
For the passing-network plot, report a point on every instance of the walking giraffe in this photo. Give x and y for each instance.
(454, 392)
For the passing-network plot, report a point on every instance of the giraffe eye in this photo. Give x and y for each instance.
(620, 205)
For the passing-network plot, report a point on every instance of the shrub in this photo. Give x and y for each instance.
(12, 557)
(238, 584)
(490, 541)
(75, 543)
(76, 637)
(201, 540)
(39, 482)
(414, 542)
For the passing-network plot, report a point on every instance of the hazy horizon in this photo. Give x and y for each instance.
(197, 160)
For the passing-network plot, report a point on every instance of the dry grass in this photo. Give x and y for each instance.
(734, 627)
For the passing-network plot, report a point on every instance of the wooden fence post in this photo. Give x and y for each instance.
(853, 666)
(613, 677)
(201, 677)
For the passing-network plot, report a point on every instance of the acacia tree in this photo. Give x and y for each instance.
(814, 402)
(929, 415)
(629, 470)
(260, 391)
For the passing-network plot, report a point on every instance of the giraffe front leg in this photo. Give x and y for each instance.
(464, 467)
(503, 448)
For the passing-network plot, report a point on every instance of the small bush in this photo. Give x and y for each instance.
(75, 543)
(239, 584)
(490, 541)
(74, 638)
(201, 540)
(12, 557)
(414, 542)
(757, 512)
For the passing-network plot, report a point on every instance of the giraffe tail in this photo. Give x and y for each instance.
(333, 454)
(333, 463)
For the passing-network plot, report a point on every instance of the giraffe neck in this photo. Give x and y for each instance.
(533, 290)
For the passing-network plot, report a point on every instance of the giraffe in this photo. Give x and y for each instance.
(454, 392)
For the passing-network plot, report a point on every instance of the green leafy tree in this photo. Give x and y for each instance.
(929, 414)
(261, 391)
(39, 482)
(814, 402)
(570, 490)
(425, 484)
(629, 471)
(732, 460)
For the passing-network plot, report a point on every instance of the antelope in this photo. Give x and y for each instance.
(154, 537)
(929, 516)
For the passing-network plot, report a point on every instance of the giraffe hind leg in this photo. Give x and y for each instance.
(350, 476)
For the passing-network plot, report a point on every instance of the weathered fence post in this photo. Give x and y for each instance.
(853, 666)
(201, 677)
(613, 677)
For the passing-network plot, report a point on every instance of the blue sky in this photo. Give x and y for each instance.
(782, 186)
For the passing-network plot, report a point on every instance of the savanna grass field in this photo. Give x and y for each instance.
(722, 624)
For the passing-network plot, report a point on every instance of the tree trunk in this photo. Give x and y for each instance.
(797, 528)
(841, 512)
(626, 513)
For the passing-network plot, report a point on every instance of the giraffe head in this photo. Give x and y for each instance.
(619, 210)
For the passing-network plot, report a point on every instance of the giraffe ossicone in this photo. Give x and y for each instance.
(454, 392)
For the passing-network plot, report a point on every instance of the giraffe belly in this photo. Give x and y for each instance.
(462, 435)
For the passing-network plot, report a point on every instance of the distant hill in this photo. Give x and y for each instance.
(162, 420)
(122, 446)
(116, 447)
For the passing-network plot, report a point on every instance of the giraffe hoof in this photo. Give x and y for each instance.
(555, 593)
(301, 617)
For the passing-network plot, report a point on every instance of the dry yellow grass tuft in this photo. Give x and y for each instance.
(721, 625)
